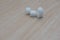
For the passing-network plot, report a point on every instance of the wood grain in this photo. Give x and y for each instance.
(16, 25)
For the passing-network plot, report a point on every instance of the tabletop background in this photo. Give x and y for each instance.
(16, 25)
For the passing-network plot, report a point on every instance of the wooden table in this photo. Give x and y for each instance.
(16, 25)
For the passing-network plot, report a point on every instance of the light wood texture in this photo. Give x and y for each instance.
(15, 25)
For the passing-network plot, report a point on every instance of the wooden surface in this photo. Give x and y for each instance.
(15, 25)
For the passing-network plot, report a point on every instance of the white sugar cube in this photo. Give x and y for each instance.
(40, 12)
(33, 13)
(28, 9)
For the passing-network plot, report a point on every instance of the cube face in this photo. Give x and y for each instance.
(28, 9)
(33, 13)
(39, 15)
(40, 12)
